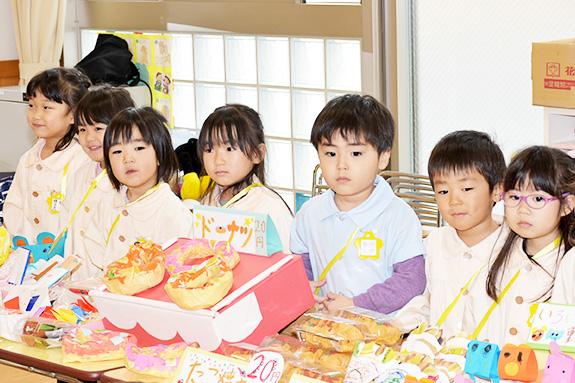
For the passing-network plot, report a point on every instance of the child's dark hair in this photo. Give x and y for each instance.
(154, 129)
(236, 125)
(64, 86)
(100, 105)
(546, 169)
(355, 117)
(467, 150)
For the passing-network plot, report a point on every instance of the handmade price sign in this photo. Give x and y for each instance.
(553, 322)
(199, 366)
(265, 367)
(248, 232)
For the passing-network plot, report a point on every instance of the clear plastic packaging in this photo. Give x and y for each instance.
(331, 332)
(43, 332)
(379, 325)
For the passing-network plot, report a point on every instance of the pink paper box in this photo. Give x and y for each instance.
(268, 293)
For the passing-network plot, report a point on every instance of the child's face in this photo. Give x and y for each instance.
(349, 168)
(227, 165)
(465, 202)
(91, 137)
(49, 119)
(134, 164)
(539, 226)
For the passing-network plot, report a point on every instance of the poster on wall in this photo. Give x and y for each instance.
(153, 57)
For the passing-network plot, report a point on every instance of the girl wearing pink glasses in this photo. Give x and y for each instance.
(539, 201)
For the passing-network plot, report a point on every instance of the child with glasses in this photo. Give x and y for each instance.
(539, 204)
(466, 169)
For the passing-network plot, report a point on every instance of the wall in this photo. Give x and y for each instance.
(8, 49)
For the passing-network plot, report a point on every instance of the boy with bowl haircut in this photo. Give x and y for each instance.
(466, 169)
(361, 244)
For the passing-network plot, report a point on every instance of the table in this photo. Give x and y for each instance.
(48, 361)
(125, 375)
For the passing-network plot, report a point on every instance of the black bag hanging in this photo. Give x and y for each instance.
(110, 62)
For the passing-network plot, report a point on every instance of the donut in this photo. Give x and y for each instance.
(142, 268)
(84, 345)
(195, 251)
(201, 286)
(161, 360)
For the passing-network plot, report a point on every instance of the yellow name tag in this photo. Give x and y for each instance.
(55, 202)
(368, 246)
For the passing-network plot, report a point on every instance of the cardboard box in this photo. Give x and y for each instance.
(268, 293)
(553, 73)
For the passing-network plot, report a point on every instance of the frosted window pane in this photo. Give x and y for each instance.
(243, 95)
(308, 63)
(208, 98)
(305, 160)
(273, 61)
(332, 95)
(183, 57)
(184, 107)
(288, 197)
(241, 63)
(279, 166)
(88, 40)
(306, 107)
(209, 57)
(343, 64)
(275, 111)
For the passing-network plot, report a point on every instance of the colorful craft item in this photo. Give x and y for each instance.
(39, 251)
(560, 367)
(142, 268)
(161, 360)
(83, 345)
(195, 251)
(201, 286)
(461, 379)
(481, 361)
(411, 379)
(518, 363)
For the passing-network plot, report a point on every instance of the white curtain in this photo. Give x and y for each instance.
(39, 31)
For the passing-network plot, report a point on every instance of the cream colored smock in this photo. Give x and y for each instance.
(26, 209)
(564, 288)
(508, 322)
(159, 217)
(260, 199)
(103, 193)
(450, 264)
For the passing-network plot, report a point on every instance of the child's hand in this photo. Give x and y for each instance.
(336, 302)
(314, 285)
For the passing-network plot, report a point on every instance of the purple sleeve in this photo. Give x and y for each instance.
(407, 281)
(307, 265)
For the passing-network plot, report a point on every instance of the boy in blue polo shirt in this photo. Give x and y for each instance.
(361, 244)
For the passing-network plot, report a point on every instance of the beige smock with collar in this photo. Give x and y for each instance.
(26, 209)
(449, 266)
(103, 193)
(160, 216)
(508, 322)
(564, 288)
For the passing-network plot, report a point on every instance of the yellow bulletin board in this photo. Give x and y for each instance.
(154, 52)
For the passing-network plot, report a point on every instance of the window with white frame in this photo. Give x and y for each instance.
(288, 80)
